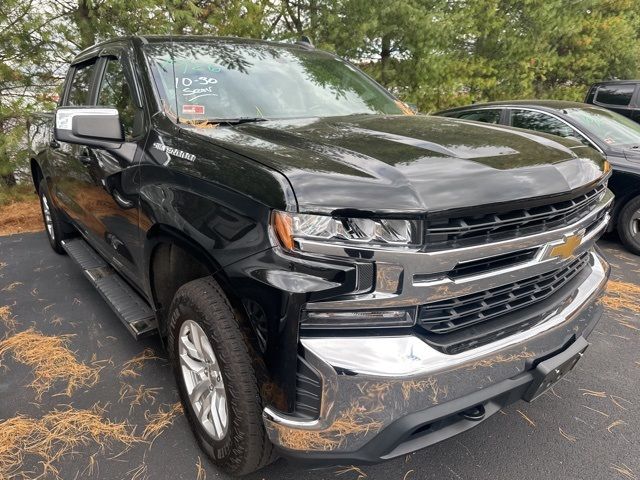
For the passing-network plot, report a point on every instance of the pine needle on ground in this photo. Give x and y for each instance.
(137, 396)
(352, 469)
(528, 420)
(56, 435)
(624, 471)
(131, 368)
(160, 420)
(566, 435)
(7, 318)
(20, 217)
(622, 296)
(50, 359)
(12, 286)
(201, 473)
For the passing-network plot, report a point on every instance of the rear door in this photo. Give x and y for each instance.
(619, 97)
(110, 191)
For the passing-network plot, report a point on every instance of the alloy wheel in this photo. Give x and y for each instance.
(202, 378)
(635, 223)
(48, 220)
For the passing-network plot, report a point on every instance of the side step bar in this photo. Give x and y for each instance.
(130, 308)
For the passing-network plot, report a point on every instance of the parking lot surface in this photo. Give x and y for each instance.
(118, 400)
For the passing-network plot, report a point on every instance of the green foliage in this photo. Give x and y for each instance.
(16, 193)
(435, 53)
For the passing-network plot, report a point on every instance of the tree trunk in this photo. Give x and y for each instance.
(385, 57)
(83, 21)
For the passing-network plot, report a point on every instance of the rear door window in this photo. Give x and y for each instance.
(80, 86)
(619, 95)
(487, 116)
(541, 122)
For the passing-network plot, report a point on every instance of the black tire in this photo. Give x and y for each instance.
(629, 225)
(245, 446)
(57, 230)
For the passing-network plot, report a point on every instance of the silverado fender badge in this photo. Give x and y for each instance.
(174, 152)
(567, 247)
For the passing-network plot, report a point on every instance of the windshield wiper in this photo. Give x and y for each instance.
(237, 121)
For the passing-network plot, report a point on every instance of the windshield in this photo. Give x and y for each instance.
(609, 127)
(236, 80)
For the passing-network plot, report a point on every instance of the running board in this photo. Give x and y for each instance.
(130, 308)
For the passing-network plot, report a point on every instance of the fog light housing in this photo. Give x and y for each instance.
(312, 319)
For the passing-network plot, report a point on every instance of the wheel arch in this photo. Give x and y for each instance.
(173, 259)
(626, 186)
(36, 173)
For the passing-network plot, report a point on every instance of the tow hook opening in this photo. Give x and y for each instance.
(475, 414)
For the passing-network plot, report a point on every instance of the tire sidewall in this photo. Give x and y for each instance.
(218, 449)
(632, 243)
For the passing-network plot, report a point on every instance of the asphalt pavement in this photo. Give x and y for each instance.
(587, 428)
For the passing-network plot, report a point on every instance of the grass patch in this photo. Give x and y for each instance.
(51, 360)
(17, 193)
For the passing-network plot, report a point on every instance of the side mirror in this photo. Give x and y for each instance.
(91, 126)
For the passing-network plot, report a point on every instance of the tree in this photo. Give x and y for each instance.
(436, 53)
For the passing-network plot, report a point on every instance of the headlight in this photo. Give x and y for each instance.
(351, 231)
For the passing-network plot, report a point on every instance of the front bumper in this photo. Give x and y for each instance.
(400, 394)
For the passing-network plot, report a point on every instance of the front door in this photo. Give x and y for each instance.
(68, 159)
(109, 196)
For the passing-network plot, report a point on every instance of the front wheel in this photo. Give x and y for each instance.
(629, 225)
(56, 229)
(216, 379)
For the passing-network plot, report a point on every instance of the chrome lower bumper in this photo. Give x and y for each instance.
(394, 376)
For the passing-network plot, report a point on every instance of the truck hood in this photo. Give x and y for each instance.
(410, 164)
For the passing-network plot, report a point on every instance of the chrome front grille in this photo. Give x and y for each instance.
(464, 296)
(449, 315)
(497, 262)
(463, 231)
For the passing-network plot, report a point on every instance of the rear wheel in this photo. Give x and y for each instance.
(56, 229)
(216, 379)
(629, 225)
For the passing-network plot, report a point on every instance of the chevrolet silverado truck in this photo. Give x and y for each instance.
(335, 279)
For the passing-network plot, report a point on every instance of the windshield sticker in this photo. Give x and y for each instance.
(192, 109)
(174, 152)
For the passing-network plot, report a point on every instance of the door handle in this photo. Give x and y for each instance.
(84, 157)
(120, 200)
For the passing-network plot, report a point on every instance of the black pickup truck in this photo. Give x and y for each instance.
(331, 275)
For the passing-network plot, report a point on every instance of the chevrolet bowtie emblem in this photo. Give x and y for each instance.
(565, 250)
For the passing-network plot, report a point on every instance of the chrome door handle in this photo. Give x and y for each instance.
(120, 200)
